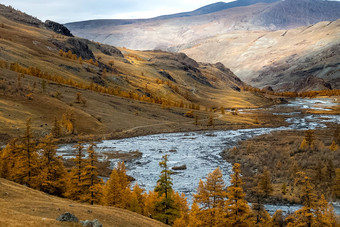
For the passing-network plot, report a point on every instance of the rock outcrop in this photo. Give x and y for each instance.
(58, 28)
(76, 46)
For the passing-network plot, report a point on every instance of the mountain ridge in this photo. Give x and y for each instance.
(192, 34)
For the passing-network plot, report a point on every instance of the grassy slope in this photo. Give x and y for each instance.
(106, 114)
(22, 206)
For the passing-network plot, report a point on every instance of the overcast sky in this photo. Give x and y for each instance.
(63, 11)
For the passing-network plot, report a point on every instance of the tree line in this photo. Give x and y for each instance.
(35, 163)
(292, 94)
(116, 91)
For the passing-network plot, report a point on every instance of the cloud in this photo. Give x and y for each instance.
(76, 10)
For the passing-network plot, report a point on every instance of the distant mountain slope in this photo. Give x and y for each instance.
(172, 32)
(281, 59)
(215, 7)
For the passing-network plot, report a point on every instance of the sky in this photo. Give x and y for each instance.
(64, 11)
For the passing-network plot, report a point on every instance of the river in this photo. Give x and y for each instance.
(200, 151)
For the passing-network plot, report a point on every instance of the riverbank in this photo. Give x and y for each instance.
(201, 151)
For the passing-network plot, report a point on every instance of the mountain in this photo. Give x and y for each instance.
(266, 43)
(172, 32)
(46, 73)
(281, 59)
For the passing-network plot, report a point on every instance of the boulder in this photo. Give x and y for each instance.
(182, 167)
(93, 223)
(67, 217)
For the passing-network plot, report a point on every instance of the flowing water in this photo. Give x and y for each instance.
(201, 151)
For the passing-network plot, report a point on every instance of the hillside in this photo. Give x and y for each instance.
(102, 89)
(23, 206)
(282, 44)
(283, 59)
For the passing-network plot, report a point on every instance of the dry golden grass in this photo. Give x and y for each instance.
(107, 116)
(22, 206)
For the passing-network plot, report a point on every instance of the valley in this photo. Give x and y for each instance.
(227, 115)
(202, 152)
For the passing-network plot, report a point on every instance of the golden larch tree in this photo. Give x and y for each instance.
(211, 196)
(52, 175)
(90, 181)
(73, 186)
(117, 189)
(237, 210)
(26, 166)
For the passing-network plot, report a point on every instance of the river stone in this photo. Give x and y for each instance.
(93, 223)
(182, 167)
(67, 217)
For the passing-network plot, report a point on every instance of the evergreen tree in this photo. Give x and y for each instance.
(90, 182)
(165, 208)
(237, 208)
(52, 169)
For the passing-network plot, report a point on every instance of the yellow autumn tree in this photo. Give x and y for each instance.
(304, 145)
(265, 183)
(237, 210)
(151, 199)
(26, 166)
(73, 186)
(305, 215)
(56, 129)
(324, 213)
(52, 171)
(137, 200)
(277, 219)
(334, 146)
(194, 216)
(116, 190)
(211, 196)
(8, 155)
(90, 181)
(182, 204)
(336, 186)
